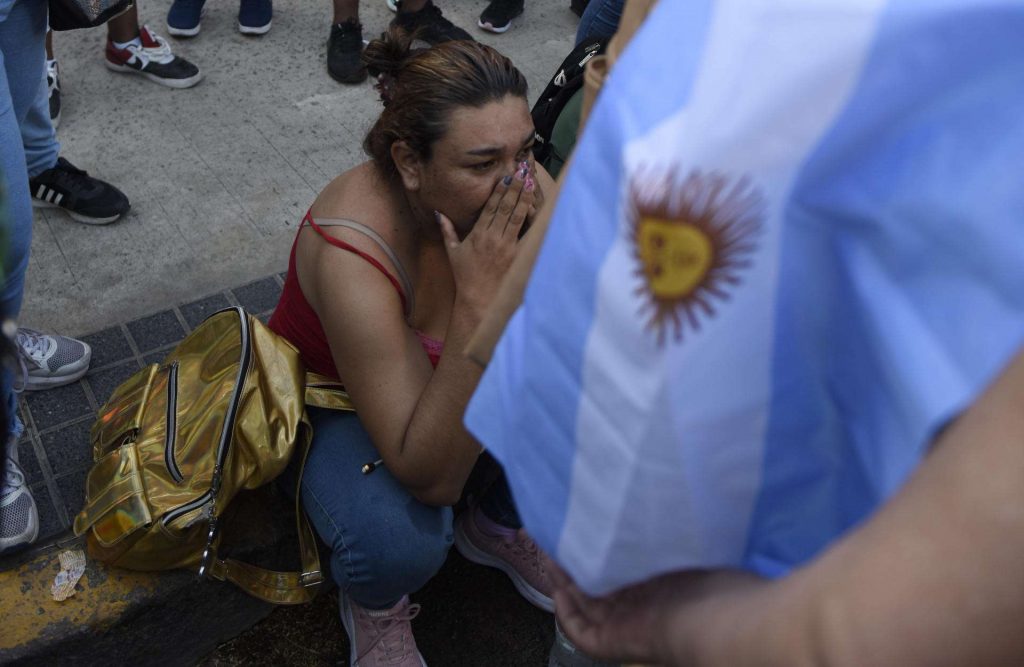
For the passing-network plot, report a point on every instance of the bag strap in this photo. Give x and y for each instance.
(290, 587)
(270, 585)
(326, 392)
(403, 277)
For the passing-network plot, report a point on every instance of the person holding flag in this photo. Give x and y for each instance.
(761, 398)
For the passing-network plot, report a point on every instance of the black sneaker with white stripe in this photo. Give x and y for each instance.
(86, 199)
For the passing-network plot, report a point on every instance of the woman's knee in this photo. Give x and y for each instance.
(411, 549)
(395, 558)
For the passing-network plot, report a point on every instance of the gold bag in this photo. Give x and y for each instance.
(178, 440)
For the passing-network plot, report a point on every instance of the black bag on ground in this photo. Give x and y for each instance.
(567, 81)
(75, 14)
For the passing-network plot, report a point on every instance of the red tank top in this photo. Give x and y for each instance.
(296, 321)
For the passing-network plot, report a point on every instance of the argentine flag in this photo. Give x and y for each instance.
(789, 250)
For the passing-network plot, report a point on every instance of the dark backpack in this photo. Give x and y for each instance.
(567, 80)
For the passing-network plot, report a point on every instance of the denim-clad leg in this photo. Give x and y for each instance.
(600, 19)
(24, 117)
(384, 543)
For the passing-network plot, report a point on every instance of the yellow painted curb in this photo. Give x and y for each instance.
(30, 614)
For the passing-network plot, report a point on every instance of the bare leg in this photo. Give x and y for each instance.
(345, 10)
(49, 44)
(124, 27)
(409, 6)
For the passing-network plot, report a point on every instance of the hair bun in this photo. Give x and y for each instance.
(389, 52)
(385, 57)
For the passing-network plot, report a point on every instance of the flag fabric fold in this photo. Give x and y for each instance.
(790, 249)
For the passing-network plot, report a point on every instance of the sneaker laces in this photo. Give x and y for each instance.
(32, 346)
(391, 634)
(158, 54)
(72, 179)
(350, 37)
(13, 477)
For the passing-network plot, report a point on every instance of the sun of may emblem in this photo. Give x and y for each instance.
(692, 238)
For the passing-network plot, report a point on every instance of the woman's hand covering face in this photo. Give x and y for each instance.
(480, 261)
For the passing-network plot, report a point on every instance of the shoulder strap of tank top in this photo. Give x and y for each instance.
(403, 277)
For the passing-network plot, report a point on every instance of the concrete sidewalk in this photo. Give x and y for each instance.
(218, 175)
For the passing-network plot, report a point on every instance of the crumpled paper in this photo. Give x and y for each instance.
(72, 567)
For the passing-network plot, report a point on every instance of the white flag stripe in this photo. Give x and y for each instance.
(742, 124)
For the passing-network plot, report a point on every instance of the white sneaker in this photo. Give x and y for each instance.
(19, 518)
(381, 638)
(50, 361)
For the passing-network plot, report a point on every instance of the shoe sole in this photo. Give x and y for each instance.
(349, 624)
(470, 552)
(182, 32)
(254, 29)
(487, 27)
(42, 383)
(38, 203)
(38, 382)
(170, 83)
(351, 80)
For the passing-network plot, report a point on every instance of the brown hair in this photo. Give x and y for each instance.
(421, 87)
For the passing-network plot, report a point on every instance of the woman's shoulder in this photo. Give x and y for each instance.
(359, 194)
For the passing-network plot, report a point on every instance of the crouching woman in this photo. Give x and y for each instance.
(389, 274)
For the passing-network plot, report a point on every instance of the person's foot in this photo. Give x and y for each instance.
(498, 15)
(53, 91)
(49, 361)
(86, 199)
(429, 24)
(184, 16)
(344, 52)
(19, 518)
(381, 637)
(154, 60)
(254, 16)
(512, 551)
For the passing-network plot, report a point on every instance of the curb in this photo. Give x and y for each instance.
(119, 616)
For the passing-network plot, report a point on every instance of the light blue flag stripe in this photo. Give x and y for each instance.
(559, 301)
(909, 216)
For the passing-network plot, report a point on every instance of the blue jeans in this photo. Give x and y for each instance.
(600, 19)
(384, 543)
(28, 146)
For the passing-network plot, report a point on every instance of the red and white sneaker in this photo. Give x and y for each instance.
(382, 637)
(512, 551)
(153, 59)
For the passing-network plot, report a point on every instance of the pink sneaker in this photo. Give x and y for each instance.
(383, 637)
(512, 551)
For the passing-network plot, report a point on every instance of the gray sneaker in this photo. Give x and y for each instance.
(50, 361)
(19, 518)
